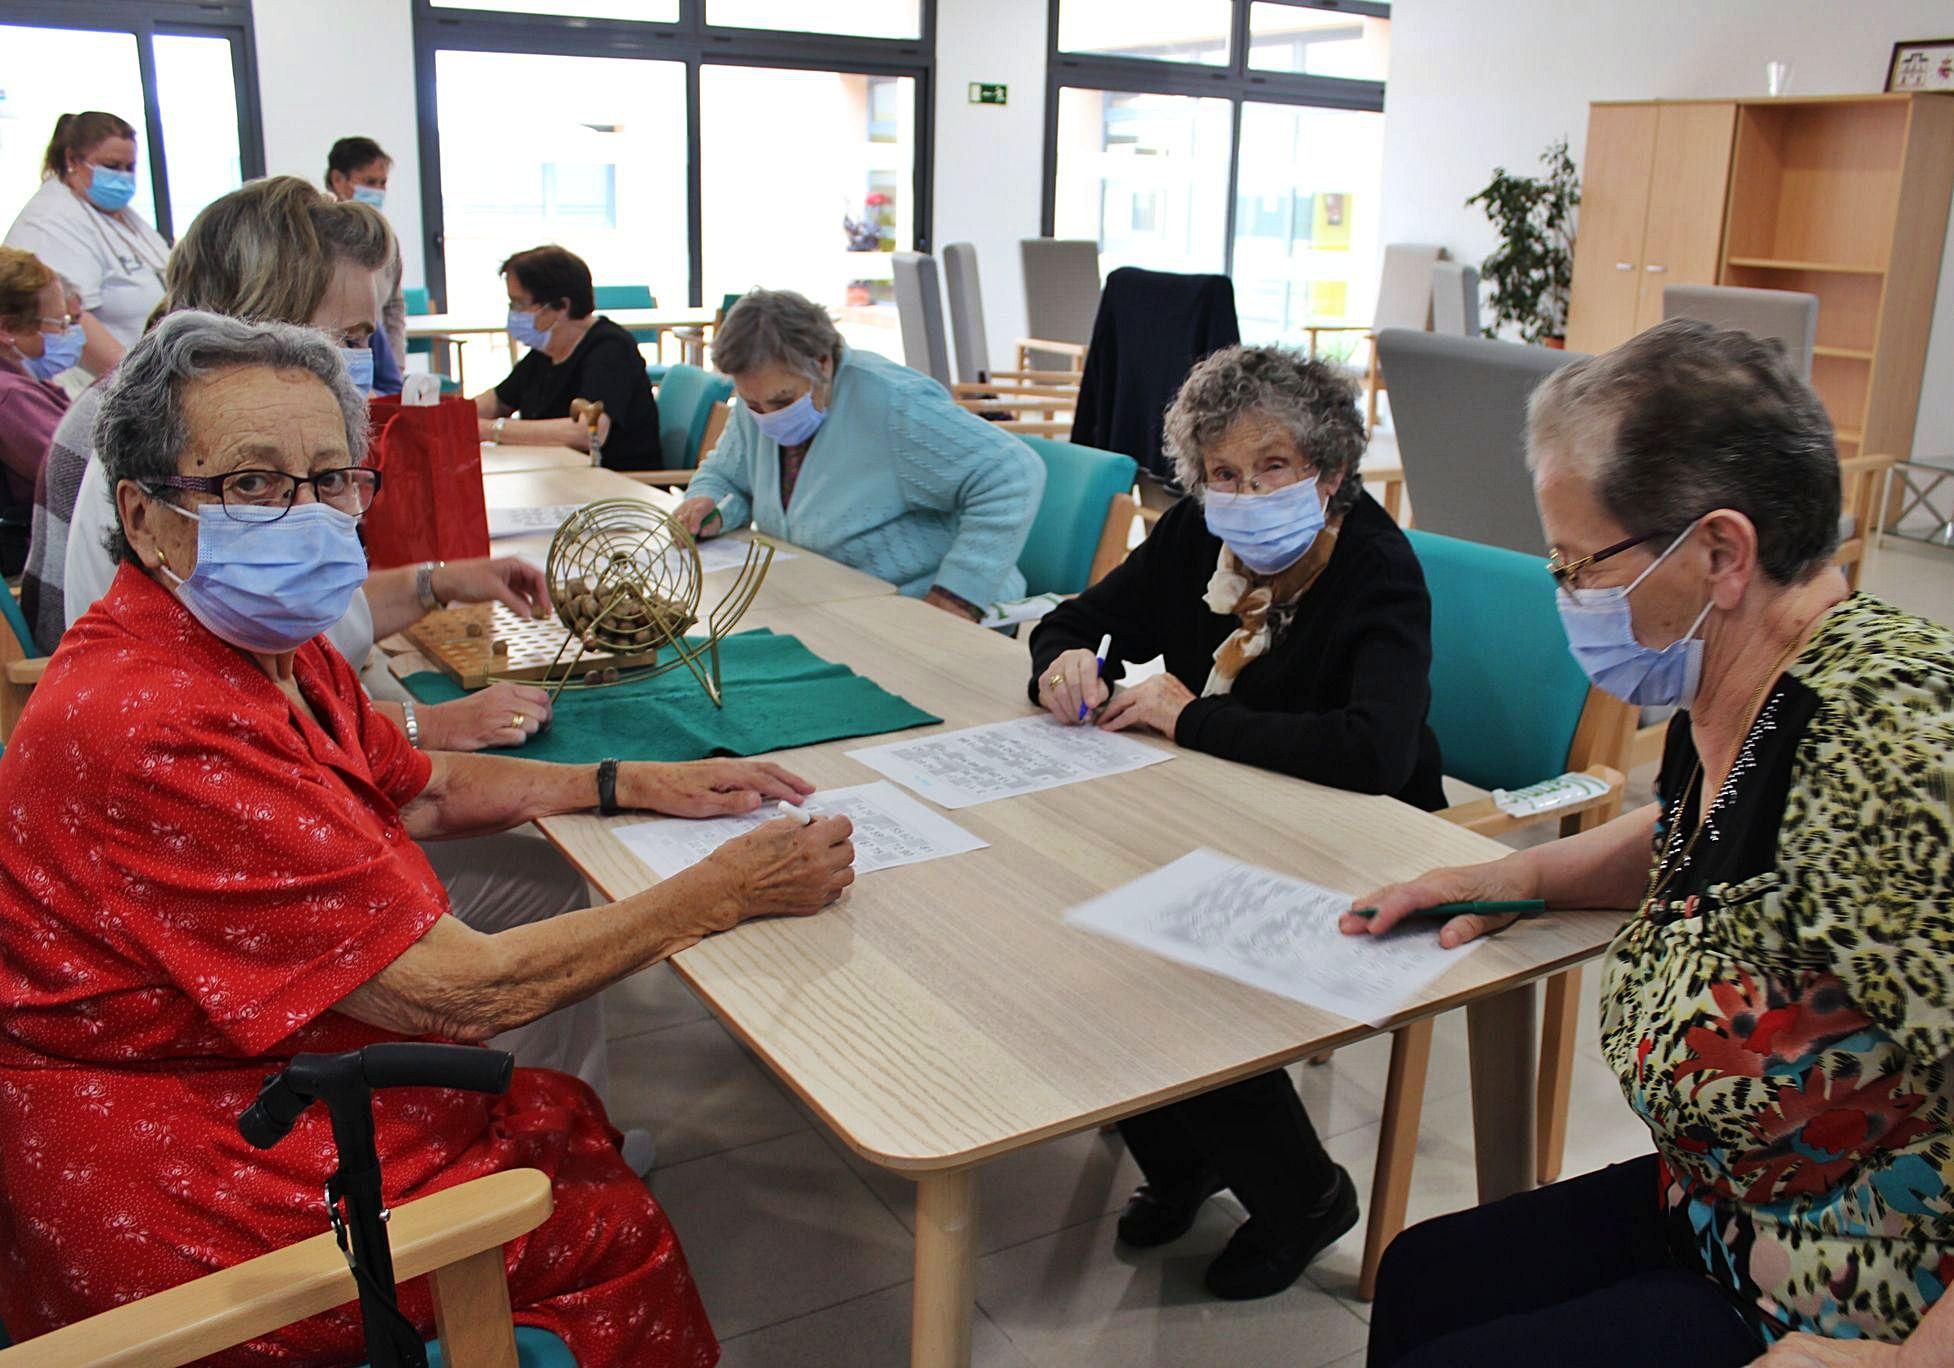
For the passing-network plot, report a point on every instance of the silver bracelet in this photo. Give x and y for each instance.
(424, 585)
(413, 726)
(495, 432)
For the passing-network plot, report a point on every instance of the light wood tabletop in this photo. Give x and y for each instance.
(498, 459)
(805, 578)
(462, 325)
(942, 1014)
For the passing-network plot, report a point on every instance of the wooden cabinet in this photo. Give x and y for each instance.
(1653, 182)
(1841, 196)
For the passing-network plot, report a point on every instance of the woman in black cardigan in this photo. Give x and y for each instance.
(1296, 632)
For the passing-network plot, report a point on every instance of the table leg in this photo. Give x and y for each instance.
(1500, 1035)
(946, 1270)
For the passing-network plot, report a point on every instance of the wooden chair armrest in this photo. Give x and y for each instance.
(1866, 463)
(27, 671)
(1036, 428)
(258, 1296)
(664, 479)
(1069, 379)
(1336, 327)
(1045, 344)
(1481, 816)
(1055, 395)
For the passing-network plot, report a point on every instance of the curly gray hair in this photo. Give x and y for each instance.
(142, 430)
(776, 327)
(1310, 400)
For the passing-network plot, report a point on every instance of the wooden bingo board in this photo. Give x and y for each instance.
(475, 643)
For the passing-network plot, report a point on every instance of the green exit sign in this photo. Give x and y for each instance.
(987, 92)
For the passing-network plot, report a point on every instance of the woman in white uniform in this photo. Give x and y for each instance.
(80, 225)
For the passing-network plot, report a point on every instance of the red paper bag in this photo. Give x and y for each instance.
(430, 503)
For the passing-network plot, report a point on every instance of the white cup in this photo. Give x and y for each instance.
(1777, 78)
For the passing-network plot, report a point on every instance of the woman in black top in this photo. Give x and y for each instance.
(573, 354)
(1296, 632)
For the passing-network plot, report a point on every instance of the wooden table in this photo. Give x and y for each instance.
(691, 326)
(498, 459)
(941, 1015)
(806, 579)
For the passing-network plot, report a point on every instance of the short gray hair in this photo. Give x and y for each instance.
(1686, 418)
(776, 327)
(1310, 400)
(141, 431)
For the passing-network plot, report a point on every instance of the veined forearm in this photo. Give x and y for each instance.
(1605, 867)
(470, 794)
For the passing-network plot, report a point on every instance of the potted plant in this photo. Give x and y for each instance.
(1534, 265)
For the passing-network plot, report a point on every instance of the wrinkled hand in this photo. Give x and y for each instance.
(1490, 882)
(1069, 680)
(1155, 704)
(505, 579)
(707, 788)
(1813, 1351)
(694, 512)
(500, 715)
(786, 869)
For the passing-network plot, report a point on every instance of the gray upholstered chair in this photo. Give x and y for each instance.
(1035, 403)
(1455, 299)
(973, 353)
(919, 309)
(1460, 405)
(1061, 298)
(1787, 315)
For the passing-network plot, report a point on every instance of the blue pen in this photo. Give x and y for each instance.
(1105, 649)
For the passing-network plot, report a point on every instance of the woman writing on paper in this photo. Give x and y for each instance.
(1780, 1007)
(1297, 636)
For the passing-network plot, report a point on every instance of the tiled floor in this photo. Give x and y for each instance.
(802, 1250)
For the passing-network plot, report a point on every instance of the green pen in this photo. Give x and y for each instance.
(1524, 907)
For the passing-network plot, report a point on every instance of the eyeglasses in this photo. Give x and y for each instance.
(1260, 482)
(268, 495)
(61, 323)
(1565, 574)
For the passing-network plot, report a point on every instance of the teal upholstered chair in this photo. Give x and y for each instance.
(21, 664)
(447, 1235)
(685, 400)
(419, 305)
(1083, 519)
(630, 297)
(1510, 708)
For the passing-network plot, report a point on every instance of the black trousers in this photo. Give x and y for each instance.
(1578, 1272)
(1253, 1135)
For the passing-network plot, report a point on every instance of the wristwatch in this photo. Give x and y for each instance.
(413, 723)
(607, 788)
(424, 585)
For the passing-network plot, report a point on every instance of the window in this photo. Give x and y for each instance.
(1266, 169)
(56, 58)
(704, 148)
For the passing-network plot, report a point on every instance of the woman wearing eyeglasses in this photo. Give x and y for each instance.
(37, 342)
(1780, 1007)
(82, 223)
(213, 863)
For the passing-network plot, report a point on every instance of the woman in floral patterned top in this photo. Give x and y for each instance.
(1780, 1008)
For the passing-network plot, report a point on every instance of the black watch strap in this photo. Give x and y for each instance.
(607, 788)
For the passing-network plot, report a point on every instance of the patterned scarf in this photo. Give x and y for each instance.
(1263, 604)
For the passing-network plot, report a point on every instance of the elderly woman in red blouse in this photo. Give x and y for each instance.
(210, 865)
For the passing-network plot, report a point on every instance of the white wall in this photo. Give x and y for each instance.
(1481, 83)
(331, 70)
(990, 158)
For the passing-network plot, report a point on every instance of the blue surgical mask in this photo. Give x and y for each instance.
(366, 194)
(522, 327)
(1601, 633)
(791, 426)
(359, 367)
(1267, 532)
(271, 587)
(58, 353)
(110, 190)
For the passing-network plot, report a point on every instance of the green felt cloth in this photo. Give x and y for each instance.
(778, 695)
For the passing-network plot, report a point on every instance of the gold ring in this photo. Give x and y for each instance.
(1056, 680)
(517, 724)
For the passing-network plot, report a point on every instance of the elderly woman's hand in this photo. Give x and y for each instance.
(505, 579)
(500, 715)
(707, 788)
(1156, 704)
(786, 869)
(1495, 881)
(695, 512)
(1068, 681)
(1814, 1351)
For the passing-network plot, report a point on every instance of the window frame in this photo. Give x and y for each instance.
(226, 19)
(1237, 82)
(691, 41)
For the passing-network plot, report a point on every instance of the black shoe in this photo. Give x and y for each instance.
(1262, 1260)
(1158, 1215)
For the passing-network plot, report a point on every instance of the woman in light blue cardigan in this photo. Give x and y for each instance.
(907, 486)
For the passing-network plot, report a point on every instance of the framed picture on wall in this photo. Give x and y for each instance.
(1927, 64)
